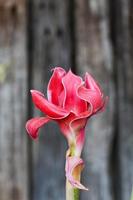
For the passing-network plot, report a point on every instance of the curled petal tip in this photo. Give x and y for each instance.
(58, 68)
(92, 84)
(33, 125)
(32, 91)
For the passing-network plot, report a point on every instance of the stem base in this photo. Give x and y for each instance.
(71, 193)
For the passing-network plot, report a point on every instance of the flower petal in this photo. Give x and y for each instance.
(77, 127)
(53, 111)
(65, 126)
(95, 100)
(80, 142)
(79, 122)
(72, 124)
(33, 125)
(74, 166)
(55, 86)
(72, 101)
(91, 83)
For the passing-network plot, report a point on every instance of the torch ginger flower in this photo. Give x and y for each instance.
(71, 102)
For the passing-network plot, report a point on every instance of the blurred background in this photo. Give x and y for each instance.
(85, 35)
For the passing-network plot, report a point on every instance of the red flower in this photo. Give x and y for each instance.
(71, 101)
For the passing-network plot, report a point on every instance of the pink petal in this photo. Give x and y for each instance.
(33, 125)
(53, 111)
(92, 84)
(95, 100)
(79, 122)
(74, 166)
(80, 142)
(72, 124)
(72, 101)
(77, 126)
(55, 86)
(65, 126)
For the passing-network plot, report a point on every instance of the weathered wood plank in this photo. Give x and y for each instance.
(13, 77)
(51, 47)
(124, 66)
(94, 54)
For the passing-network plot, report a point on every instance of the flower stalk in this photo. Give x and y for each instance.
(71, 193)
(132, 195)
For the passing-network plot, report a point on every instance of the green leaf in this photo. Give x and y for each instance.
(132, 195)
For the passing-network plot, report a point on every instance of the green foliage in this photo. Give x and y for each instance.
(76, 194)
(132, 195)
(3, 72)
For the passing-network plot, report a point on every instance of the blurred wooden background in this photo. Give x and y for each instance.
(86, 35)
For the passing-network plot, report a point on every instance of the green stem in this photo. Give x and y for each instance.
(71, 193)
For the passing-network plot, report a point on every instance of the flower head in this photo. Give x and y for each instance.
(71, 102)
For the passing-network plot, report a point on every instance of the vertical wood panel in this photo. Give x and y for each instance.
(13, 77)
(51, 47)
(108, 151)
(124, 65)
(94, 54)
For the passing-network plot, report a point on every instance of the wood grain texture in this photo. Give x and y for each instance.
(50, 47)
(86, 35)
(94, 54)
(123, 46)
(13, 86)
